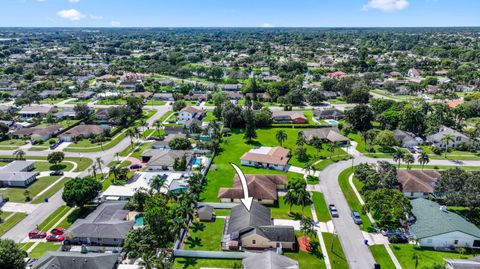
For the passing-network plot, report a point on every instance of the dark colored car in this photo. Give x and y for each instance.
(56, 173)
(55, 238)
(392, 232)
(398, 239)
(58, 231)
(356, 217)
(333, 210)
(36, 234)
(135, 166)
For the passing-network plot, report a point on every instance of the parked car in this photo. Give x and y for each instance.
(392, 232)
(398, 239)
(135, 166)
(55, 238)
(36, 234)
(58, 231)
(411, 149)
(417, 149)
(333, 210)
(356, 217)
(56, 173)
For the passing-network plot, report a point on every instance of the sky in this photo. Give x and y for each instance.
(239, 13)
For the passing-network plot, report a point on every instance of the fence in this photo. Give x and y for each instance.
(211, 254)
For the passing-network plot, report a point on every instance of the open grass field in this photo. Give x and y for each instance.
(381, 256)
(41, 166)
(307, 260)
(205, 235)
(43, 247)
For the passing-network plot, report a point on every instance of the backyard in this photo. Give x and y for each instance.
(205, 235)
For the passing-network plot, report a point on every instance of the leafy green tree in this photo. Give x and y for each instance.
(250, 129)
(82, 111)
(386, 139)
(412, 120)
(79, 191)
(232, 115)
(359, 96)
(180, 143)
(307, 226)
(388, 207)
(360, 117)
(19, 154)
(179, 105)
(55, 158)
(135, 104)
(11, 256)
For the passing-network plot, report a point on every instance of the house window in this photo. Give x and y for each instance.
(458, 138)
(254, 242)
(476, 243)
(455, 242)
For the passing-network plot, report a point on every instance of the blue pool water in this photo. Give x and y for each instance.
(196, 162)
(332, 122)
(138, 221)
(105, 125)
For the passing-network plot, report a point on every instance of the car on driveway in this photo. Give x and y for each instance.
(135, 166)
(55, 238)
(356, 217)
(333, 210)
(58, 231)
(398, 239)
(56, 173)
(392, 232)
(36, 234)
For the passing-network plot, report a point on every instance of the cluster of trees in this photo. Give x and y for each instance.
(297, 194)
(387, 204)
(460, 187)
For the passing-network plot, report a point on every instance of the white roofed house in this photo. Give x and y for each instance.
(268, 157)
(35, 111)
(18, 174)
(188, 113)
(437, 140)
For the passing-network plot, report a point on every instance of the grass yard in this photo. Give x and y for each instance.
(52, 101)
(17, 194)
(42, 248)
(153, 102)
(321, 208)
(82, 163)
(48, 223)
(205, 235)
(77, 213)
(307, 260)
(223, 212)
(119, 101)
(11, 222)
(50, 192)
(381, 256)
(12, 143)
(335, 253)
(165, 116)
(326, 162)
(427, 256)
(25, 246)
(41, 166)
(195, 263)
(281, 210)
(85, 145)
(77, 101)
(209, 117)
(352, 199)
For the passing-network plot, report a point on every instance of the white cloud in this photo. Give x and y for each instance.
(71, 14)
(267, 25)
(73, 1)
(386, 5)
(94, 17)
(116, 23)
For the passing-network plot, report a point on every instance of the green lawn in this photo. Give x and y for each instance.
(427, 256)
(335, 251)
(165, 116)
(205, 235)
(137, 152)
(209, 117)
(41, 166)
(12, 142)
(223, 212)
(352, 199)
(82, 163)
(52, 101)
(321, 208)
(306, 260)
(42, 248)
(281, 211)
(49, 222)
(50, 192)
(153, 102)
(76, 214)
(17, 194)
(381, 256)
(11, 222)
(119, 101)
(85, 145)
(77, 101)
(25, 246)
(326, 162)
(194, 263)
(64, 123)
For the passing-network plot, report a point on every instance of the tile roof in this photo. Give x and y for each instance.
(261, 187)
(417, 180)
(330, 134)
(275, 155)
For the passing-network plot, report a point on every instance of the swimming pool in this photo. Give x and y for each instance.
(197, 161)
(138, 221)
(332, 122)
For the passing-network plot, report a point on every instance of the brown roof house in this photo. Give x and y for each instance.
(35, 111)
(82, 131)
(417, 183)
(263, 189)
(36, 133)
(267, 157)
(289, 117)
(255, 230)
(330, 134)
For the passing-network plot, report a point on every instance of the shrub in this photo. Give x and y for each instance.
(436, 150)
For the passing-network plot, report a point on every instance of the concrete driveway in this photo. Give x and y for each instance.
(19, 207)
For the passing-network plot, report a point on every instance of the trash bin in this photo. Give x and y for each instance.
(46, 200)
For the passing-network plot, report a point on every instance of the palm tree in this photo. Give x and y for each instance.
(281, 136)
(398, 156)
(300, 139)
(307, 226)
(447, 138)
(19, 154)
(99, 163)
(157, 127)
(307, 168)
(157, 183)
(131, 134)
(303, 198)
(331, 148)
(290, 198)
(423, 159)
(408, 159)
(93, 169)
(114, 171)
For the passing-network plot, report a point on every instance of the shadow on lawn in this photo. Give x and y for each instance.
(193, 242)
(198, 226)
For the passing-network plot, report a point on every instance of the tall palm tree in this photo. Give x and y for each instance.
(157, 183)
(447, 138)
(93, 169)
(281, 136)
(301, 140)
(408, 159)
(19, 154)
(114, 171)
(157, 127)
(398, 156)
(331, 148)
(99, 163)
(303, 198)
(290, 198)
(131, 134)
(423, 159)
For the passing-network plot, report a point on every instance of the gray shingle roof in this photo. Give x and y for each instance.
(431, 221)
(76, 260)
(269, 260)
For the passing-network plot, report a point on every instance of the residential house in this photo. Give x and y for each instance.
(413, 73)
(77, 260)
(173, 130)
(49, 93)
(417, 183)
(254, 229)
(84, 95)
(82, 131)
(472, 263)
(268, 157)
(455, 103)
(407, 139)
(107, 226)
(234, 95)
(188, 113)
(7, 85)
(200, 97)
(164, 160)
(144, 95)
(336, 75)
(164, 96)
(269, 260)
(231, 87)
(434, 226)
(289, 117)
(436, 139)
(325, 114)
(36, 133)
(102, 115)
(263, 96)
(18, 174)
(164, 144)
(66, 113)
(263, 189)
(35, 111)
(331, 134)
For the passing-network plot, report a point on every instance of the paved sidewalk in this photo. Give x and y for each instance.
(19, 207)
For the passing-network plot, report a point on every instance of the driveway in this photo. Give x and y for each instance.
(19, 207)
